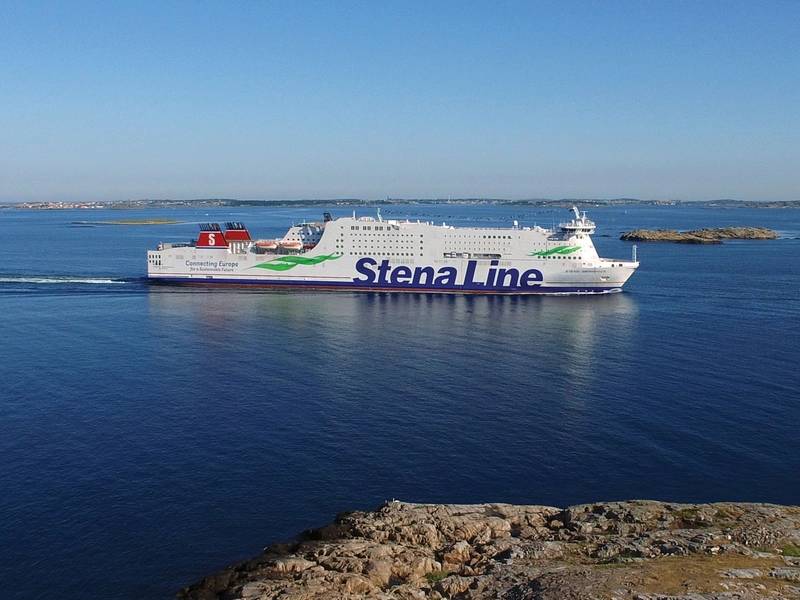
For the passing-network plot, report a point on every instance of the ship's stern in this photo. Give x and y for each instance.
(155, 263)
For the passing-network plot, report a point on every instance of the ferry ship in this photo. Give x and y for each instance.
(387, 255)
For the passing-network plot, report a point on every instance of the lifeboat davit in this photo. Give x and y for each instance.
(291, 244)
(266, 244)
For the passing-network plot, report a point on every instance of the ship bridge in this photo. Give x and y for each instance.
(579, 226)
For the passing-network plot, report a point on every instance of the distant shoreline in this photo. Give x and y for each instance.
(129, 222)
(332, 202)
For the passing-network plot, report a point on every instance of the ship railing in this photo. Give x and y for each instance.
(276, 251)
(168, 245)
(622, 262)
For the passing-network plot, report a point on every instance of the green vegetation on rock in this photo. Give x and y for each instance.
(791, 550)
(435, 576)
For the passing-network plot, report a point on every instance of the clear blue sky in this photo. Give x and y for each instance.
(115, 100)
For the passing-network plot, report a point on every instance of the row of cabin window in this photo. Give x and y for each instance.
(369, 227)
(379, 249)
(485, 237)
(382, 254)
(399, 234)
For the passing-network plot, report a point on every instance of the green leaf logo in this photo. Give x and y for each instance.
(556, 250)
(284, 263)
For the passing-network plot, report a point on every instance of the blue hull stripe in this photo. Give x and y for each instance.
(387, 287)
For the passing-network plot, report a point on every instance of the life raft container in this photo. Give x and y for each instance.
(290, 244)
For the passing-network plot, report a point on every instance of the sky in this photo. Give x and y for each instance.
(279, 100)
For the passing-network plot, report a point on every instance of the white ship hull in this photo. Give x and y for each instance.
(375, 255)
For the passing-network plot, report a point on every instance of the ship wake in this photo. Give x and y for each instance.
(55, 280)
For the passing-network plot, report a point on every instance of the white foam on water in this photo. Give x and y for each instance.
(57, 280)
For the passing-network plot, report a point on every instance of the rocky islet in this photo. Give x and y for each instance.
(638, 550)
(700, 236)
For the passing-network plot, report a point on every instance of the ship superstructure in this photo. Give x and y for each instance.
(374, 254)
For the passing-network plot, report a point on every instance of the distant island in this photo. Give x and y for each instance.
(329, 202)
(636, 550)
(700, 236)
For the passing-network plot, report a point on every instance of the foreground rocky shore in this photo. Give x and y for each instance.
(624, 550)
(700, 236)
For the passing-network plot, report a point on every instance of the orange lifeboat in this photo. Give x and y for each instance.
(266, 244)
(291, 244)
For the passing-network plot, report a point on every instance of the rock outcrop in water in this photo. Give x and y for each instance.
(700, 236)
(639, 550)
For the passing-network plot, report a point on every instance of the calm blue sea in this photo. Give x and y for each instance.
(149, 436)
